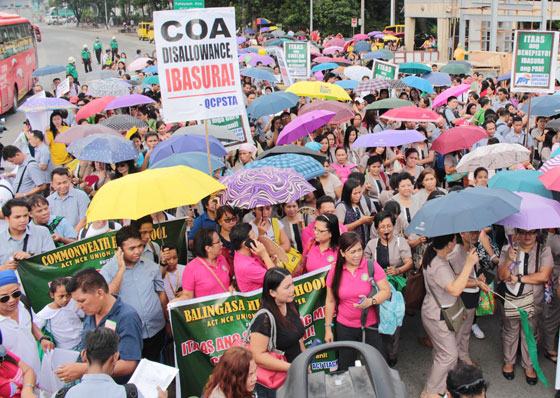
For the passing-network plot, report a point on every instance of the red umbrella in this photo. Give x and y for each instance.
(335, 42)
(411, 114)
(458, 138)
(343, 110)
(94, 107)
(551, 179)
(348, 44)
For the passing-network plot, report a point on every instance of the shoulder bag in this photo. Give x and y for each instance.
(454, 316)
(521, 301)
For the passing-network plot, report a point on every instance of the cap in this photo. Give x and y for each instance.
(74, 100)
(71, 60)
(114, 38)
(8, 277)
(85, 45)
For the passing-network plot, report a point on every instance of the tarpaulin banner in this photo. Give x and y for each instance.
(38, 271)
(204, 328)
(197, 63)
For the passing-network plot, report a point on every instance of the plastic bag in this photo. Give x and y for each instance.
(486, 303)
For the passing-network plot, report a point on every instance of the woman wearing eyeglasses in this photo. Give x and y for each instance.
(322, 250)
(226, 218)
(524, 268)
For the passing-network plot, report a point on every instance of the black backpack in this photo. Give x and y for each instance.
(131, 391)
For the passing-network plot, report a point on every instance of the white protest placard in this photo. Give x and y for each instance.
(197, 63)
(63, 87)
(149, 375)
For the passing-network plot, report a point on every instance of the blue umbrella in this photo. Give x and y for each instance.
(438, 79)
(419, 83)
(252, 50)
(275, 42)
(325, 66)
(257, 73)
(505, 76)
(305, 165)
(544, 105)
(250, 31)
(466, 210)
(195, 160)
(414, 68)
(150, 69)
(555, 153)
(187, 143)
(347, 84)
(103, 148)
(362, 46)
(520, 181)
(48, 70)
(271, 103)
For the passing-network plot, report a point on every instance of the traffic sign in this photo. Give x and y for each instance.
(186, 4)
(354, 22)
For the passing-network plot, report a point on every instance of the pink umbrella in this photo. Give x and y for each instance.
(314, 51)
(550, 163)
(129, 100)
(335, 42)
(83, 130)
(304, 125)
(360, 36)
(332, 50)
(341, 60)
(458, 138)
(94, 107)
(450, 92)
(343, 110)
(319, 75)
(411, 114)
(139, 64)
(264, 59)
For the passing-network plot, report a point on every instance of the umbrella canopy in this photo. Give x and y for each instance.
(263, 21)
(438, 79)
(221, 133)
(304, 125)
(553, 124)
(343, 111)
(544, 105)
(347, 84)
(455, 68)
(551, 179)
(379, 84)
(388, 103)
(450, 92)
(335, 42)
(357, 72)
(274, 43)
(389, 138)
(104, 88)
(520, 180)
(106, 148)
(263, 59)
(129, 100)
(493, 157)
(419, 83)
(362, 46)
(94, 107)
(278, 33)
(466, 210)
(257, 73)
(241, 40)
(150, 69)
(38, 104)
(360, 36)
(456, 138)
(379, 54)
(83, 130)
(300, 150)
(139, 64)
(272, 103)
(333, 49)
(324, 66)
(536, 212)
(550, 163)
(414, 68)
(305, 165)
(250, 31)
(195, 160)
(102, 75)
(139, 194)
(250, 188)
(154, 79)
(48, 70)
(123, 122)
(505, 76)
(186, 143)
(412, 114)
(319, 90)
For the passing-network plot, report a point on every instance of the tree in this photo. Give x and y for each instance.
(334, 16)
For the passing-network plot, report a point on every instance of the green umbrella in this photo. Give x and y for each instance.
(414, 68)
(154, 79)
(455, 68)
(388, 103)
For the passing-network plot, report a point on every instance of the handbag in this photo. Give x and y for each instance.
(524, 302)
(486, 303)
(294, 256)
(269, 378)
(453, 316)
(414, 291)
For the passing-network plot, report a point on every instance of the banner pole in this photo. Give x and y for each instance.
(208, 148)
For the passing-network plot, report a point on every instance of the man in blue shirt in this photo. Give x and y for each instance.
(66, 201)
(207, 219)
(90, 291)
(517, 135)
(61, 231)
(139, 283)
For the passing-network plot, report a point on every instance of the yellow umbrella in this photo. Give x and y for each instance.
(319, 90)
(139, 194)
(390, 38)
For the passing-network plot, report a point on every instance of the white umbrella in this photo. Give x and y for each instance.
(357, 72)
(492, 157)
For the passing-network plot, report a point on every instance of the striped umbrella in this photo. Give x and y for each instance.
(305, 165)
(379, 84)
(550, 163)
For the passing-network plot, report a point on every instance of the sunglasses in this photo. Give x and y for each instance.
(14, 295)
(121, 164)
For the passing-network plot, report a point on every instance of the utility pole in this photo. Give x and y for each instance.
(362, 16)
(392, 18)
(106, 21)
(310, 17)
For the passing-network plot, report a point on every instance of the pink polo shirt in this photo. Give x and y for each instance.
(316, 259)
(249, 272)
(351, 287)
(307, 234)
(343, 171)
(198, 279)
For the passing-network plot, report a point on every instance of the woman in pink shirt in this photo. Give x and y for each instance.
(341, 167)
(349, 285)
(208, 273)
(322, 250)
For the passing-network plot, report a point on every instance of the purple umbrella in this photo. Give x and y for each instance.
(389, 138)
(264, 59)
(250, 188)
(241, 40)
(304, 125)
(379, 35)
(550, 163)
(536, 212)
(187, 143)
(129, 100)
(265, 29)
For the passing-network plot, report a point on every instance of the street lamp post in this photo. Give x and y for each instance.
(310, 17)
(106, 22)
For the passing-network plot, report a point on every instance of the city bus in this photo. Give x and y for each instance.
(18, 59)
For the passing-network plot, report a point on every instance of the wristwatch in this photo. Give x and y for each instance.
(519, 276)
(373, 301)
(44, 337)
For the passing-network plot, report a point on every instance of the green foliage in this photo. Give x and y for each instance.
(334, 16)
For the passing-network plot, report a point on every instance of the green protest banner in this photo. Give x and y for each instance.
(38, 271)
(298, 59)
(239, 125)
(204, 328)
(186, 4)
(534, 61)
(385, 70)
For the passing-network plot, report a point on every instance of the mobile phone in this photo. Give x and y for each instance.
(362, 300)
(250, 243)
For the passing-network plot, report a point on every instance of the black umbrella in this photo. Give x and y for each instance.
(291, 148)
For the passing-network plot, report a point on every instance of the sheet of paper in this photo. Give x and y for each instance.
(148, 375)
